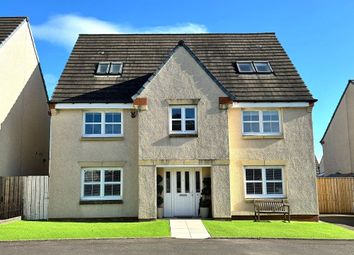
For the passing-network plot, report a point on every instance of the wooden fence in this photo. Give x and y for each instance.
(336, 195)
(25, 196)
(11, 190)
(35, 198)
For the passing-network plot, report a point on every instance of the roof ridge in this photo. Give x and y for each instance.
(147, 34)
(14, 17)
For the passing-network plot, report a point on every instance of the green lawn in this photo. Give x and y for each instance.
(277, 229)
(32, 230)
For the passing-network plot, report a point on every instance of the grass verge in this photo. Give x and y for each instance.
(42, 230)
(277, 229)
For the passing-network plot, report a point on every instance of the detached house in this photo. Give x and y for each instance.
(24, 120)
(338, 139)
(226, 113)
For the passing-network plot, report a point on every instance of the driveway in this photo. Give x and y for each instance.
(177, 246)
(346, 221)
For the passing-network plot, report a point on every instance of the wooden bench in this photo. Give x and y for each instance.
(271, 207)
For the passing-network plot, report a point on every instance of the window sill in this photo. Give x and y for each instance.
(256, 137)
(100, 202)
(183, 135)
(102, 138)
(251, 199)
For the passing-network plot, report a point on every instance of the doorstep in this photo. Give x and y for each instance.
(188, 229)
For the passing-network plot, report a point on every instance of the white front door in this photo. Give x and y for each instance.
(182, 192)
(183, 202)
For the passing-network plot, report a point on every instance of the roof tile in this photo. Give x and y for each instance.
(142, 54)
(8, 25)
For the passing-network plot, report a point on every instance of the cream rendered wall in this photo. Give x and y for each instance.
(338, 147)
(294, 151)
(24, 120)
(69, 154)
(182, 78)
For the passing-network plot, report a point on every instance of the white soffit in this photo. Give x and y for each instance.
(270, 105)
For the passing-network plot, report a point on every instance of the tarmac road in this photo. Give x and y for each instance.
(178, 246)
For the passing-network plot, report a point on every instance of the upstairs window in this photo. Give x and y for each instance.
(183, 119)
(103, 124)
(254, 67)
(109, 68)
(261, 123)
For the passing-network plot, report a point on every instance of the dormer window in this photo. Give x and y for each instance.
(109, 68)
(251, 67)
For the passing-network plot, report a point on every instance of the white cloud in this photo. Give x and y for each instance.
(64, 29)
(188, 28)
(50, 81)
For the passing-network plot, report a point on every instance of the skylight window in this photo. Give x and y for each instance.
(254, 67)
(262, 67)
(116, 68)
(102, 68)
(109, 68)
(245, 67)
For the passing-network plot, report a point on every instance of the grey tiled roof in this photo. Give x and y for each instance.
(143, 54)
(8, 25)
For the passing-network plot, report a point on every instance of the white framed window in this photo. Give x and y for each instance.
(116, 68)
(262, 67)
(183, 119)
(265, 122)
(254, 67)
(245, 66)
(101, 183)
(103, 124)
(264, 182)
(103, 68)
(109, 68)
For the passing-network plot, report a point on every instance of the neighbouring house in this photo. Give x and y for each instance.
(338, 139)
(223, 117)
(24, 120)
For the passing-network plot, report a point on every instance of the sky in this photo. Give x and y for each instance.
(317, 35)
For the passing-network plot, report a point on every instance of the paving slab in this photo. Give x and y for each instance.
(188, 229)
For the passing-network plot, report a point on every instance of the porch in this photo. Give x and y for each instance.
(179, 191)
